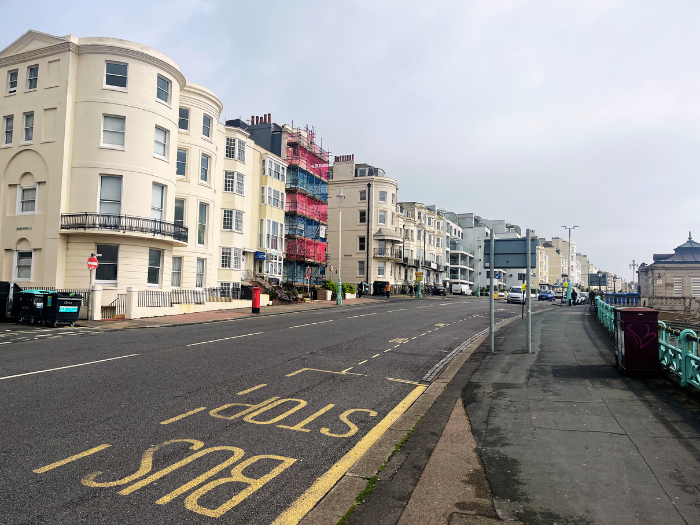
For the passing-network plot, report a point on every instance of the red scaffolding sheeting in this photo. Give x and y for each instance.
(301, 204)
(306, 250)
(302, 151)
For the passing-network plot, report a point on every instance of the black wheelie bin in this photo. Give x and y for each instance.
(61, 308)
(29, 305)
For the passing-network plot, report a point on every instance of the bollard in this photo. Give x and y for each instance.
(256, 300)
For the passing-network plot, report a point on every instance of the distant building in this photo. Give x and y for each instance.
(672, 281)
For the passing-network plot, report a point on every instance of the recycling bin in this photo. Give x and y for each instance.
(637, 340)
(30, 305)
(61, 308)
(5, 294)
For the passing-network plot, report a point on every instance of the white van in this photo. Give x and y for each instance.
(461, 289)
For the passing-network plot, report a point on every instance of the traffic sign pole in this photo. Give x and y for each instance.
(528, 295)
(492, 329)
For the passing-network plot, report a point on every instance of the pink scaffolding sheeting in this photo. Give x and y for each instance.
(301, 204)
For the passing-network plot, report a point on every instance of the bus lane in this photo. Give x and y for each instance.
(248, 456)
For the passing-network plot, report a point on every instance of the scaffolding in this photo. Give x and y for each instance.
(306, 208)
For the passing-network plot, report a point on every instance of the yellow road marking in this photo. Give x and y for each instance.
(414, 337)
(347, 369)
(72, 458)
(327, 481)
(397, 346)
(387, 350)
(404, 381)
(325, 371)
(375, 355)
(250, 389)
(362, 362)
(182, 416)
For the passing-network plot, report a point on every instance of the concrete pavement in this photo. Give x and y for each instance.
(558, 436)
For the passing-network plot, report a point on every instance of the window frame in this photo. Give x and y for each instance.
(211, 120)
(229, 181)
(362, 214)
(160, 269)
(168, 92)
(100, 200)
(11, 120)
(104, 144)
(230, 147)
(379, 218)
(224, 219)
(361, 243)
(203, 244)
(240, 179)
(20, 190)
(381, 266)
(208, 169)
(363, 196)
(25, 128)
(236, 221)
(10, 89)
(104, 263)
(178, 163)
(180, 119)
(240, 150)
(162, 201)
(15, 266)
(201, 285)
(174, 272)
(124, 89)
(380, 196)
(184, 211)
(165, 144)
(226, 257)
(30, 78)
(363, 272)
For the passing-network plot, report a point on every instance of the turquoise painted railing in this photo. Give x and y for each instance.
(622, 299)
(678, 353)
(606, 315)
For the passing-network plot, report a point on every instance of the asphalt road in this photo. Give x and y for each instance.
(232, 420)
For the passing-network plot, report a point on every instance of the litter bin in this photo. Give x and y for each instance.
(61, 308)
(4, 296)
(30, 305)
(637, 340)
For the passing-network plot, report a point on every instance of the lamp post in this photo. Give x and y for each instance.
(600, 278)
(634, 273)
(341, 198)
(568, 276)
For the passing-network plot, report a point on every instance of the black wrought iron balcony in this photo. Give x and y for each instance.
(388, 253)
(123, 223)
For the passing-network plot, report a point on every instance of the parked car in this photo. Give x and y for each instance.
(439, 290)
(515, 295)
(461, 289)
(546, 295)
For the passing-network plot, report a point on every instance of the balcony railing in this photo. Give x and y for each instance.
(123, 223)
(388, 253)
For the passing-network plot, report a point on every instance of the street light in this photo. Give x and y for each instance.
(568, 277)
(600, 278)
(341, 198)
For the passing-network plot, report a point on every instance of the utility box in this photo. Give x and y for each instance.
(637, 340)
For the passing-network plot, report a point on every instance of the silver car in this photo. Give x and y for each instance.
(515, 295)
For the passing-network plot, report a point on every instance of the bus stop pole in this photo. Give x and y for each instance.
(492, 269)
(528, 294)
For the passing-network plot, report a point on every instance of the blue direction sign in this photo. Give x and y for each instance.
(511, 253)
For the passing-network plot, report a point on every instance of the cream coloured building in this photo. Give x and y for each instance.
(371, 243)
(108, 149)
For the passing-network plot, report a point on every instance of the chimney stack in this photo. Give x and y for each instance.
(252, 120)
(269, 117)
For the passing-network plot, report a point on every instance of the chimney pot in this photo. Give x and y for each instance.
(269, 117)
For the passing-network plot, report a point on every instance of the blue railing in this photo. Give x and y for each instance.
(678, 353)
(622, 299)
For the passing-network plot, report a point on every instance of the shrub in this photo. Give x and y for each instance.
(329, 285)
(348, 288)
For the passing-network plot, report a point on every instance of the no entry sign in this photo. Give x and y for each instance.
(92, 263)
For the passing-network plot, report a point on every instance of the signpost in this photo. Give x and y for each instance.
(511, 253)
(419, 278)
(92, 264)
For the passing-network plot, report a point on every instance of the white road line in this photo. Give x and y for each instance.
(6, 343)
(69, 366)
(224, 339)
(307, 324)
(399, 310)
(363, 315)
(428, 306)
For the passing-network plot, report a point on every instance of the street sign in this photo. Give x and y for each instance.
(92, 263)
(524, 287)
(308, 273)
(566, 285)
(419, 274)
(419, 278)
(594, 281)
(510, 253)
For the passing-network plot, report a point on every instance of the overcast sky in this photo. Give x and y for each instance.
(543, 113)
